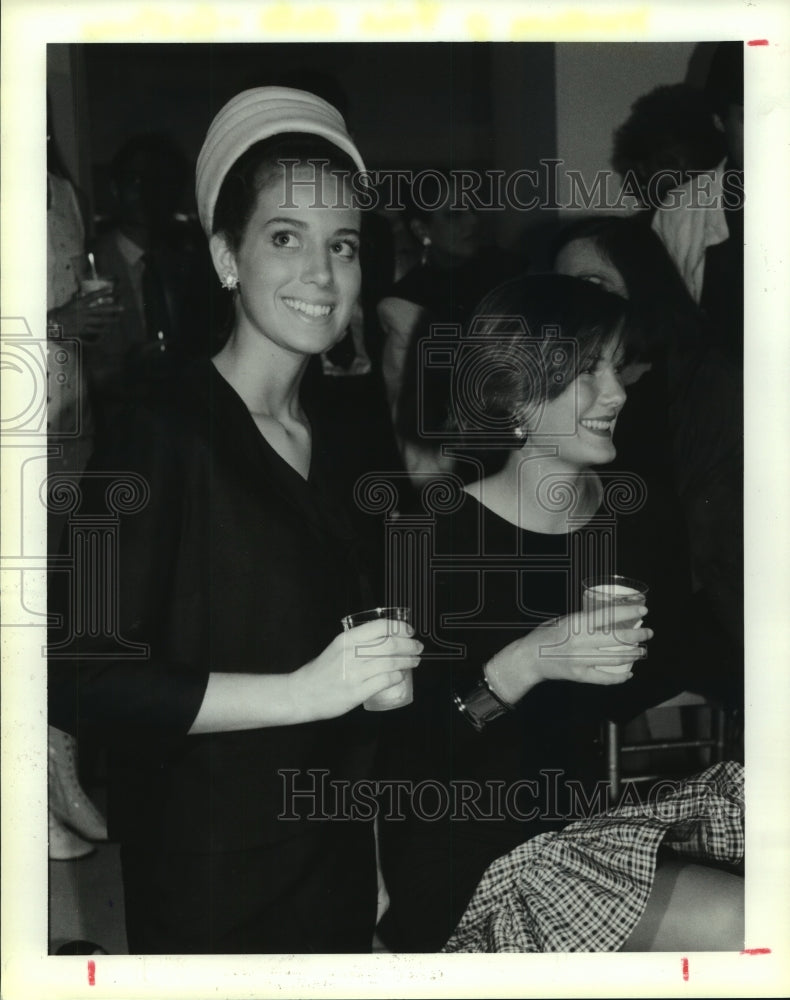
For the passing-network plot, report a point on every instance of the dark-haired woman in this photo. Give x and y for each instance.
(230, 703)
(516, 676)
(684, 432)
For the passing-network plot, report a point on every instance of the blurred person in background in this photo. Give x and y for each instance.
(456, 269)
(682, 431)
(74, 320)
(670, 134)
(701, 223)
(162, 271)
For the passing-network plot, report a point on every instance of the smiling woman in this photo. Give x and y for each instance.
(519, 677)
(233, 577)
(296, 268)
(286, 240)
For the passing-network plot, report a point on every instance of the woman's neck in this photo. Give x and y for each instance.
(266, 377)
(537, 492)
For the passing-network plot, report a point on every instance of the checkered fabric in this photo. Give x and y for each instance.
(585, 887)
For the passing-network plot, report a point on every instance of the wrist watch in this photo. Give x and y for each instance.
(481, 705)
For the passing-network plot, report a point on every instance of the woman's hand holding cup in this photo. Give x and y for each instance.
(94, 310)
(356, 666)
(578, 647)
(88, 316)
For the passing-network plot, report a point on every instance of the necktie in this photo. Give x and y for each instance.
(157, 314)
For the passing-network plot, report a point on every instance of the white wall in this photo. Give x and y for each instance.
(596, 86)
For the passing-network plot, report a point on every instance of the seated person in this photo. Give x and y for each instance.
(515, 676)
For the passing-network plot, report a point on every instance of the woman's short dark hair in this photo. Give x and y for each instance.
(662, 310)
(529, 339)
(238, 194)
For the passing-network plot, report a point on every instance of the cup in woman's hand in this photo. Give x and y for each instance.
(91, 281)
(399, 694)
(611, 591)
(99, 284)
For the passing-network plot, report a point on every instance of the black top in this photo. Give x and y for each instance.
(231, 562)
(493, 582)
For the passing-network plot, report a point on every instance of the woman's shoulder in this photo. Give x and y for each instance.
(165, 414)
(458, 521)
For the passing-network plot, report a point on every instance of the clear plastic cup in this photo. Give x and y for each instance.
(399, 694)
(90, 281)
(610, 591)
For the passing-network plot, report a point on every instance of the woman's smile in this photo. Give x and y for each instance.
(602, 426)
(298, 267)
(309, 311)
(598, 393)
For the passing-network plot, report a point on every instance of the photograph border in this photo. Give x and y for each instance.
(762, 969)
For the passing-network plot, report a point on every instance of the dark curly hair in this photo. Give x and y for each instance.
(669, 132)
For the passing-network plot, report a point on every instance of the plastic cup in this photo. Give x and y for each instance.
(611, 591)
(90, 281)
(90, 285)
(400, 694)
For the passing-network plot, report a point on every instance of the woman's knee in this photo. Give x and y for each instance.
(691, 908)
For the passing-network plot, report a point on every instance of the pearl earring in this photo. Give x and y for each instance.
(426, 242)
(519, 432)
(229, 281)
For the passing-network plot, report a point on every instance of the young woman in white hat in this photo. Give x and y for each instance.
(229, 697)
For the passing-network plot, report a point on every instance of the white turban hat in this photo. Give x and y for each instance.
(258, 114)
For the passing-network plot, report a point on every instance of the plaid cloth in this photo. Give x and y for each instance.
(585, 888)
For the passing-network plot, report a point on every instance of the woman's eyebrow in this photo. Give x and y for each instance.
(285, 220)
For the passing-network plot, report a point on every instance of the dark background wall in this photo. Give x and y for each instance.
(406, 103)
(409, 105)
(500, 105)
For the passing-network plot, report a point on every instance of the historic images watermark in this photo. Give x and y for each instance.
(46, 429)
(548, 797)
(551, 185)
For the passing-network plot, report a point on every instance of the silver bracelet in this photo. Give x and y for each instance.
(481, 705)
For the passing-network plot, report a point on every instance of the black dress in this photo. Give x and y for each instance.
(222, 558)
(476, 796)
